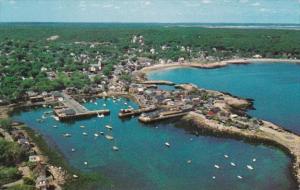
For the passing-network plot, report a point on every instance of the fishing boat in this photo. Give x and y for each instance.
(167, 144)
(115, 148)
(233, 164)
(84, 133)
(67, 135)
(108, 127)
(250, 167)
(216, 166)
(108, 137)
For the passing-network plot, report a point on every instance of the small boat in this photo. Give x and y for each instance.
(101, 133)
(250, 167)
(233, 164)
(75, 176)
(189, 161)
(96, 135)
(254, 160)
(44, 105)
(125, 103)
(115, 148)
(108, 127)
(109, 137)
(67, 135)
(56, 118)
(84, 133)
(95, 103)
(216, 166)
(114, 101)
(85, 163)
(167, 144)
(226, 156)
(43, 117)
(100, 116)
(213, 177)
(73, 149)
(54, 126)
(82, 126)
(104, 104)
(240, 177)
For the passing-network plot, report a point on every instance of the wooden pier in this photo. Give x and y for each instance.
(131, 112)
(71, 109)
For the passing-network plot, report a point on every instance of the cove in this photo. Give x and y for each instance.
(275, 88)
(143, 161)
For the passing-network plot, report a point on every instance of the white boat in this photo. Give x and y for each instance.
(254, 160)
(73, 149)
(189, 161)
(67, 135)
(96, 103)
(56, 118)
(100, 116)
(250, 167)
(114, 101)
(216, 166)
(85, 163)
(109, 137)
(75, 176)
(240, 177)
(43, 117)
(125, 103)
(54, 126)
(84, 133)
(108, 127)
(44, 106)
(82, 126)
(214, 177)
(104, 104)
(233, 164)
(167, 144)
(96, 135)
(226, 156)
(101, 133)
(115, 148)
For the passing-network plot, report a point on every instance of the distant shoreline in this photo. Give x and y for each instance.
(213, 65)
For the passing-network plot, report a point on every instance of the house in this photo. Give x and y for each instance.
(38, 98)
(94, 68)
(34, 158)
(42, 182)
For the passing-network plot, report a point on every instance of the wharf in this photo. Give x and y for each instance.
(131, 112)
(71, 109)
(162, 116)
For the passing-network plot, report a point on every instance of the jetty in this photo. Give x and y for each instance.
(71, 109)
(158, 82)
(134, 112)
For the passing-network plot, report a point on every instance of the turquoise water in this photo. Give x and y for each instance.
(143, 162)
(274, 87)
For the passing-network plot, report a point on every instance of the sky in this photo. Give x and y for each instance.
(155, 11)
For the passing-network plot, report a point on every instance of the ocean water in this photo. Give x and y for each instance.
(275, 88)
(143, 162)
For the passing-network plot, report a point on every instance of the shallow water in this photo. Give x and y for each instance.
(274, 87)
(143, 161)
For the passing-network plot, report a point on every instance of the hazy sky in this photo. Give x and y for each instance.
(242, 11)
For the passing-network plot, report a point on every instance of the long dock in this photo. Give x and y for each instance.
(162, 116)
(131, 112)
(71, 109)
(158, 82)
